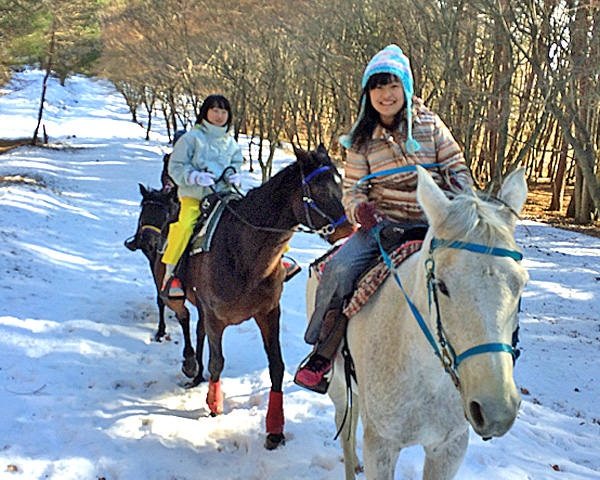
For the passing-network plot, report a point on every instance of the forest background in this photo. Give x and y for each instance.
(518, 82)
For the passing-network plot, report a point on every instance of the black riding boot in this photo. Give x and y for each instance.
(131, 243)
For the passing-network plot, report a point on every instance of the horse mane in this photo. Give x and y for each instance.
(285, 179)
(477, 212)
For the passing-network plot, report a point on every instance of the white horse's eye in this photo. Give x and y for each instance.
(442, 287)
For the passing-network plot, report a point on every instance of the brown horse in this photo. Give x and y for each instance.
(158, 209)
(241, 277)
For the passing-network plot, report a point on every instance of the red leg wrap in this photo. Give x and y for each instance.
(275, 418)
(214, 397)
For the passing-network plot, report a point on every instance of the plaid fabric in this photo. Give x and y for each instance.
(372, 279)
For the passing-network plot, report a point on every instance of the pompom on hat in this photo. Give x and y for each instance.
(389, 60)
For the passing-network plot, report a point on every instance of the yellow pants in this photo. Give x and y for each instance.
(181, 231)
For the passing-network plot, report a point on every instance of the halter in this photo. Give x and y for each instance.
(310, 204)
(442, 347)
(153, 228)
(142, 227)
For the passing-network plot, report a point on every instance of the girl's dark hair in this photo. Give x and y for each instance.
(215, 101)
(370, 118)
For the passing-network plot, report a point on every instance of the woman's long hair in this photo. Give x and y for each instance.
(363, 131)
(215, 101)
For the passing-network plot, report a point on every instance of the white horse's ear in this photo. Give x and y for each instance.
(514, 190)
(431, 197)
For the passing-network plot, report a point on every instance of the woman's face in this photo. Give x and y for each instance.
(217, 116)
(387, 100)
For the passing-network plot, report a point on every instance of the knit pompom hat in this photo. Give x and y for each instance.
(389, 60)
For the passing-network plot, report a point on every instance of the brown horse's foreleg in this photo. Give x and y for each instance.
(214, 398)
(160, 303)
(216, 362)
(275, 418)
(162, 329)
(200, 336)
(189, 365)
(269, 329)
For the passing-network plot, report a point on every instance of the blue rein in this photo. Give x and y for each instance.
(442, 348)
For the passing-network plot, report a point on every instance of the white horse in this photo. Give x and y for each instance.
(405, 395)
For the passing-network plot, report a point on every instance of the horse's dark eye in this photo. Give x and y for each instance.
(442, 288)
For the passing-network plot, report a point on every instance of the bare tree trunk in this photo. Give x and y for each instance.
(149, 99)
(558, 186)
(49, 60)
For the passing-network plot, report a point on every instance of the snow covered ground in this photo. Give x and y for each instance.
(85, 392)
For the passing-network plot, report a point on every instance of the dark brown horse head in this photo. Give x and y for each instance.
(158, 208)
(321, 208)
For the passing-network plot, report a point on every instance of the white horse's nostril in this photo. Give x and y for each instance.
(476, 414)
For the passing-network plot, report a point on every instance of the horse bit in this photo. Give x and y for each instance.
(310, 204)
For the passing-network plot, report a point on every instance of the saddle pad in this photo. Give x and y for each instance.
(373, 278)
(201, 241)
(370, 282)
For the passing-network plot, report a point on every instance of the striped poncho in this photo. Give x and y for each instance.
(395, 195)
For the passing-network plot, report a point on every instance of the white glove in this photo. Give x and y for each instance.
(234, 179)
(204, 179)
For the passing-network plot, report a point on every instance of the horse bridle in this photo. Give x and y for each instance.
(442, 347)
(308, 203)
(149, 227)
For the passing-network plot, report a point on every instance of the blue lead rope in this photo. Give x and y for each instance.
(451, 368)
(446, 353)
(413, 308)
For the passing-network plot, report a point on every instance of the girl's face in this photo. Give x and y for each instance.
(217, 116)
(387, 100)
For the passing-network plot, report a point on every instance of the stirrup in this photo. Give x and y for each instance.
(291, 268)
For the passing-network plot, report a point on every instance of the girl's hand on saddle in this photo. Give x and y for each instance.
(203, 179)
(234, 179)
(368, 215)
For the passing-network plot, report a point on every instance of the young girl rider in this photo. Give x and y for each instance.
(199, 157)
(393, 129)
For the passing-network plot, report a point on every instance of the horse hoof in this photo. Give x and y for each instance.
(189, 367)
(158, 336)
(195, 382)
(274, 440)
